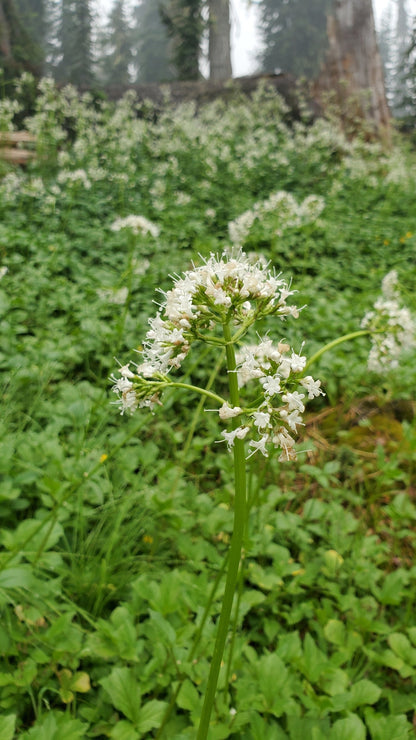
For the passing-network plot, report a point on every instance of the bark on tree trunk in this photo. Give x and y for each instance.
(353, 70)
(219, 40)
(5, 46)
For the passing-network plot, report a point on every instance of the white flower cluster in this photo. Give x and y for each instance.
(112, 295)
(76, 177)
(137, 224)
(233, 291)
(392, 325)
(282, 204)
(279, 413)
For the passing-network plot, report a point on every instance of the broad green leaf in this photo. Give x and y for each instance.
(334, 632)
(124, 730)
(188, 697)
(351, 728)
(123, 689)
(304, 727)
(151, 715)
(392, 589)
(314, 659)
(7, 725)
(388, 728)
(402, 647)
(364, 692)
(56, 726)
(166, 633)
(19, 577)
(334, 681)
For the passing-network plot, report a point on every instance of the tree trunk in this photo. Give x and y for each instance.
(219, 40)
(5, 45)
(18, 52)
(353, 70)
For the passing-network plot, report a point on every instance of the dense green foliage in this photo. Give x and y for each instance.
(115, 529)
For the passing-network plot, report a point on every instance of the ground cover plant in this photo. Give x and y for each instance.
(115, 530)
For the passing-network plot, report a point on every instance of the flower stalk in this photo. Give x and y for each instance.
(236, 545)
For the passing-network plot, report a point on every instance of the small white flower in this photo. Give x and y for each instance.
(3, 271)
(259, 445)
(271, 385)
(292, 418)
(261, 419)
(228, 412)
(313, 387)
(294, 401)
(230, 437)
(126, 372)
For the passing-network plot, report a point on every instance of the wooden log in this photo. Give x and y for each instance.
(16, 137)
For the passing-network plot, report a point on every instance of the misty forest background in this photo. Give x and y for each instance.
(106, 45)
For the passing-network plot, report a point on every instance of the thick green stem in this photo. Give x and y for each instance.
(236, 546)
(331, 345)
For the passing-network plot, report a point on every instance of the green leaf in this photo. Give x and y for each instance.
(19, 577)
(388, 728)
(124, 730)
(151, 715)
(392, 590)
(165, 631)
(402, 647)
(314, 660)
(56, 726)
(123, 689)
(364, 692)
(334, 632)
(7, 725)
(351, 728)
(188, 697)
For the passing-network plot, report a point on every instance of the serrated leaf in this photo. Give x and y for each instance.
(151, 715)
(124, 692)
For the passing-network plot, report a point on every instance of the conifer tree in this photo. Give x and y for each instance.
(183, 20)
(75, 43)
(19, 52)
(151, 43)
(294, 35)
(116, 54)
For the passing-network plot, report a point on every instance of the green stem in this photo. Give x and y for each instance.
(331, 345)
(236, 546)
(201, 391)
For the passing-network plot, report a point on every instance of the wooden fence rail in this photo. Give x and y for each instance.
(11, 148)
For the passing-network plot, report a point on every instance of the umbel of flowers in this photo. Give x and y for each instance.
(217, 303)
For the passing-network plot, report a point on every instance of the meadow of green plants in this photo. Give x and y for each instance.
(115, 529)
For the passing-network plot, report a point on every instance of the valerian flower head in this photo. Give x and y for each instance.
(136, 224)
(392, 327)
(231, 291)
